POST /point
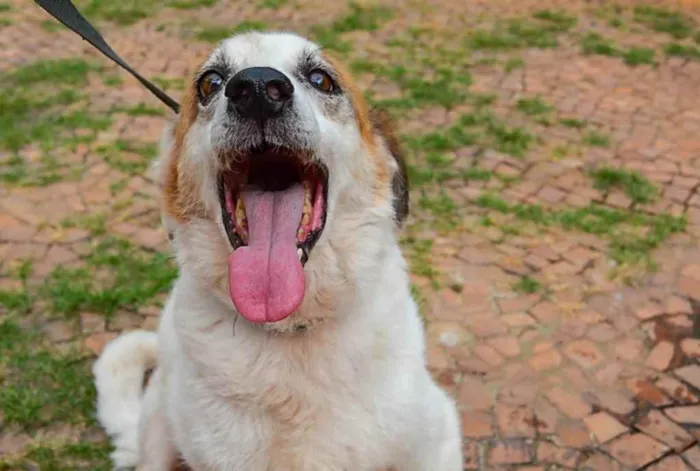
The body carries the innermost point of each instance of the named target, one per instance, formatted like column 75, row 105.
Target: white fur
column 351, row 393
column 119, row 374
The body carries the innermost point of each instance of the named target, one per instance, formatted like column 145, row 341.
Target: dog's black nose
column 259, row 93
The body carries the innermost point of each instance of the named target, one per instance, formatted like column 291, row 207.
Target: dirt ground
column 555, row 171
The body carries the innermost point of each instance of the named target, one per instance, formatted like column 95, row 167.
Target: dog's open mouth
column 273, row 203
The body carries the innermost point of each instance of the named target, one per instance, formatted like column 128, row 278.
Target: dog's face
column 283, row 188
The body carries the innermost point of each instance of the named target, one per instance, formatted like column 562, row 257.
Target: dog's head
column 283, row 188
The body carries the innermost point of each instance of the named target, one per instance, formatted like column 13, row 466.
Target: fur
column 348, row 392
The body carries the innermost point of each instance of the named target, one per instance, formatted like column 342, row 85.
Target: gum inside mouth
column 274, row 210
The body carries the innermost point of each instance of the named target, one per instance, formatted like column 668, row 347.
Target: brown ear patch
column 180, row 191
column 383, row 126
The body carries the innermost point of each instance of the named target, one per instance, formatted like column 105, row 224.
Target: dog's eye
column 209, row 84
column 321, row 81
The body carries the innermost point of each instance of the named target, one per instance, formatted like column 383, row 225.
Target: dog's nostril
column 259, row 93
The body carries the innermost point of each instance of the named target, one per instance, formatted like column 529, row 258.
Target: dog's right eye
column 209, row 84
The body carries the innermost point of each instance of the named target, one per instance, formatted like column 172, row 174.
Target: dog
column 290, row 340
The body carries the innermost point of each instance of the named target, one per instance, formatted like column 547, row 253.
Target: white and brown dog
column 284, row 194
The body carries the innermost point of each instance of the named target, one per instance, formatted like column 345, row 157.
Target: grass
column 214, row 34
column 62, row 457
column 359, row 18
column 40, row 386
column 516, row 33
column 116, row 275
column 637, row 187
column 663, row 20
column 527, row 285
column 639, row 55
column 419, row 252
column 631, row 235
column 560, row 21
column 129, row 157
column 513, row 64
column 128, row 12
column 273, row 4
column 682, row 50
column 40, row 105
column 596, row 139
column 479, row 128
column 572, row 123
column 594, row 43
column 533, row 106
column 443, row 208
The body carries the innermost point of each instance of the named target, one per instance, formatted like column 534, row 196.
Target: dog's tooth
column 300, row 234
column 306, row 219
column 240, row 210
column 300, row 253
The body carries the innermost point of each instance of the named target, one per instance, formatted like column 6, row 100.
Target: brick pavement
column 553, row 251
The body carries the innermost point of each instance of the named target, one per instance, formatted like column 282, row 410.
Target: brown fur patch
column 358, row 101
column 371, row 123
column 383, row 126
column 180, row 191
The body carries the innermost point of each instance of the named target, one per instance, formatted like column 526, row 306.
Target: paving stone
column 546, row 360
column 689, row 415
column 476, row 424
column 679, row 392
column 658, row 426
column 636, row 450
column 97, row 342
column 515, row 421
column 692, row 456
column 569, row 404
column 671, row 463
column 690, row 374
column 506, row 452
column 552, row 454
column 604, row 427
column 660, row 356
column 584, row 352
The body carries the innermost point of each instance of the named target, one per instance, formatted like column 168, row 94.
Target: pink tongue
column 266, row 279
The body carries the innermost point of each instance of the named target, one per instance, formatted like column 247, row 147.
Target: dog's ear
column 384, row 128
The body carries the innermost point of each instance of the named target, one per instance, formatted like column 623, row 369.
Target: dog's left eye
column 321, row 81
column 209, row 84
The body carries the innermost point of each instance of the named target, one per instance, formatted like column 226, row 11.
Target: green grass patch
column 215, row 34
column 359, row 18
column 142, row 109
column 663, row 20
column 477, row 174
column 533, row 106
column 637, row 187
column 419, row 253
column 190, row 4
column 639, row 55
column 632, row 235
column 117, row 275
column 513, row 64
column 572, row 123
column 527, row 285
column 81, row 456
column 596, row 139
column 129, row 157
column 273, row 4
column 682, row 50
column 594, row 43
column 128, row 12
column 560, row 21
column 42, row 387
column 516, row 33
column 33, row 102
column 477, row 128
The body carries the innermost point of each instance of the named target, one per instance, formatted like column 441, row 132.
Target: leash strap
column 65, row 12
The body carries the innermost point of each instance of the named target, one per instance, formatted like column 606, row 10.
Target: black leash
column 65, row 12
